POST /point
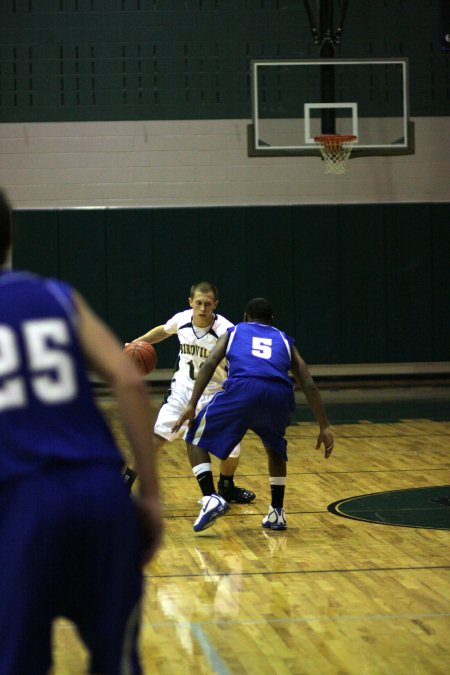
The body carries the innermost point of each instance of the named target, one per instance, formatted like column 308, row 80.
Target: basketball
column 143, row 356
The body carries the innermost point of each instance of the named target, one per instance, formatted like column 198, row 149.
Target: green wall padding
column 130, row 271
column 82, row 254
column 35, row 244
column 409, row 283
column 362, row 284
column 353, row 284
column 316, row 282
column 440, row 275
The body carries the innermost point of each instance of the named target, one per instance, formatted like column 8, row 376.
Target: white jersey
column 195, row 346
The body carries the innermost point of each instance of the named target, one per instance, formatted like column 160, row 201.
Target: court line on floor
column 312, row 512
column 354, row 570
column 346, row 472
column 205, row 645
column 218, row 666
column 296, row 619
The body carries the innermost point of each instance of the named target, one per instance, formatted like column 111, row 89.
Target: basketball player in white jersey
column 198, row 330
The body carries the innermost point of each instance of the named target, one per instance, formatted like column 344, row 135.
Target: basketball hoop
column 335, row 150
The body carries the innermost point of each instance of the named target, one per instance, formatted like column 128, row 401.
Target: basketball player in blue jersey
column 258, row 395
column 72, row 543
column 198, row 330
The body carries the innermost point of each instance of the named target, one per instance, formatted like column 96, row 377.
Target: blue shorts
column 261, row 405
column 71, row 546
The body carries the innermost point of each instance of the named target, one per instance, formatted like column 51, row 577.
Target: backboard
column 295, row 100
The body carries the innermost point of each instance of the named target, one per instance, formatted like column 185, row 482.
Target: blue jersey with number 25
column 258, row 350
column 47, row 412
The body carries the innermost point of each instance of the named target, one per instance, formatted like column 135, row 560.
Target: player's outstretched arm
column 104, row 352
column 154, row 335
column 312, row 393
column 216, row 355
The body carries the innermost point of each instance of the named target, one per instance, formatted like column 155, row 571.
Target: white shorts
column 171, row 409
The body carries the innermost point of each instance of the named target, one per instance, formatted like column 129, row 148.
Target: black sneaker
column 236, row 494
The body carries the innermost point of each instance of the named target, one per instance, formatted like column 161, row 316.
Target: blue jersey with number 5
column 258, row 350
column 47, row 411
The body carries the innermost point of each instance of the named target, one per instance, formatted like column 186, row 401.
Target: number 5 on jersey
column 262, row 347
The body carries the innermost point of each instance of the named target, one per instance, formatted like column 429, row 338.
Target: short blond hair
column 204, row 287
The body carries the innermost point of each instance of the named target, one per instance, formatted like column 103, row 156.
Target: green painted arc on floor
column 425, row 507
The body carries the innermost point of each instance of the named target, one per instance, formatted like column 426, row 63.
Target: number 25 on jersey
column 52, row 372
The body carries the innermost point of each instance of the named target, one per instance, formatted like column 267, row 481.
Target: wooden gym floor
column 330, row 595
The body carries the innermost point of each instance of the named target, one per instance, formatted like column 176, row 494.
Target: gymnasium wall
column 352, row 283
column 136, row 111
column 146, row 102
column 83, row 60
column 199, row 163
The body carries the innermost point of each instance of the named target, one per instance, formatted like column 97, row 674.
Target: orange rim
column 335, row 138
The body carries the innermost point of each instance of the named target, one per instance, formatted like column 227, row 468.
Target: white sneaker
column 213, row 506
column 275, row 519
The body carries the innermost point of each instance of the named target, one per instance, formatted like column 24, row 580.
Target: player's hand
column 326, row 437
column 187, row 415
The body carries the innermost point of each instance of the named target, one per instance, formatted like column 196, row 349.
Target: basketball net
column 335, row 150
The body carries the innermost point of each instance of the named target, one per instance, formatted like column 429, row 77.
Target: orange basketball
column 143, row 356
